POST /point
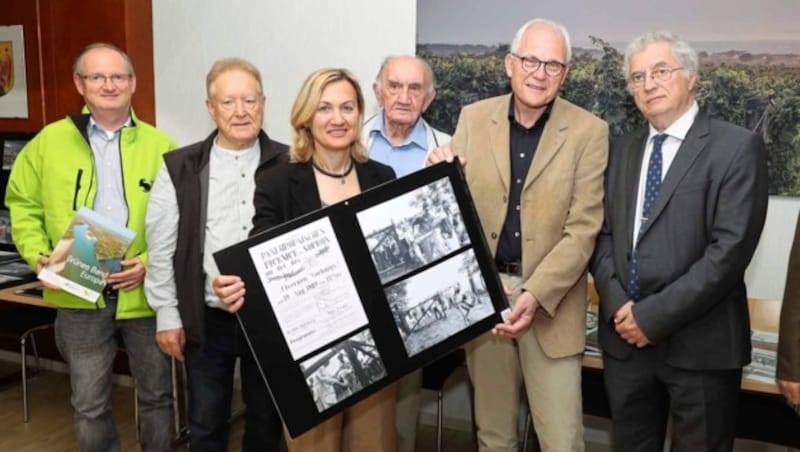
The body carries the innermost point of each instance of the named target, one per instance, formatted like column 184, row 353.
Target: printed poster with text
column 309, row 287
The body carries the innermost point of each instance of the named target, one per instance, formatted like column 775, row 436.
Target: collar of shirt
column 676, row 133
column 417, row 136
column 94, row 129
column 404, row 159
column 680, row 127
column 512, row 119
column 235, row 153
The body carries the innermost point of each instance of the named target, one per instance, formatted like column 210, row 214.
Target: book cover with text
column 90, row 250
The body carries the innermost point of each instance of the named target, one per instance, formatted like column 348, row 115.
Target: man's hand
column 40, row 264
column 520, row 318
column 230, row 291
column 627, row 328
column 130, row 277
column 790, row 390
column 443, row 154
column 171, row 342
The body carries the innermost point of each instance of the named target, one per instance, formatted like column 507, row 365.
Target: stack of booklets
column 89, row 251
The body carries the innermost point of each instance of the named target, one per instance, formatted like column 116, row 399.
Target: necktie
column 651, row 189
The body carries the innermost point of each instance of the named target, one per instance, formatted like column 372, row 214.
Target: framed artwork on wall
column 13, row 86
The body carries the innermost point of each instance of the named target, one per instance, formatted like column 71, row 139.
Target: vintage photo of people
column 437, row 303
column 343, row 369
column 413, row 230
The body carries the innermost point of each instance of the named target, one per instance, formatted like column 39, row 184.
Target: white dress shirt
column 676, row 133
column 229, row 218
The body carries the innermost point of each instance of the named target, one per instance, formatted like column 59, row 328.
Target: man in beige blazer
column 534, row 164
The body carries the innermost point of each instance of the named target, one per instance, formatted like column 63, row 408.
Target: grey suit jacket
column 693, row 251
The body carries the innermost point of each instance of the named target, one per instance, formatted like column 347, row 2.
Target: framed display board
column 345, row 300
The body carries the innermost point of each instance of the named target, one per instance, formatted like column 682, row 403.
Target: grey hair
column 429, row 77
column 681, row 50
column 562, row 30
column 76, row 65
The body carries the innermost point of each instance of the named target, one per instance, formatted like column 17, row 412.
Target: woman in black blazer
column 327, row 164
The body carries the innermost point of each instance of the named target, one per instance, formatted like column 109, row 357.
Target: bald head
column 404, row 88
column 408, row 63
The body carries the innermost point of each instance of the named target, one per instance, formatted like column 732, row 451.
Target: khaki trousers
column 408, row 401
column 499, row 367
column 367, row 425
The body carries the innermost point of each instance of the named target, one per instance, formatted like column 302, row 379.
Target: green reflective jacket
column 54, row 175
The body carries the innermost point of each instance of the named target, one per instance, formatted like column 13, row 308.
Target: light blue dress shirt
column 110, row 199
column 405, row 158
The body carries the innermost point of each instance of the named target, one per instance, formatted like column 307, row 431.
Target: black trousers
column 210, row 370
column 643, row 391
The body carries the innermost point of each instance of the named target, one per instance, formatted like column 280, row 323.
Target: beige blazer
column 561, row 210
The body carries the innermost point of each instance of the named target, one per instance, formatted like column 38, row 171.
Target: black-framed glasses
column 101, row 79
column 532, row 64
column 661, row 74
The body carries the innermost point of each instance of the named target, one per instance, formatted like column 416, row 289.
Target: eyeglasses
column 661, row 74
column 100, row 79
column 249, row 103
column 395, row 88
column 532, row 64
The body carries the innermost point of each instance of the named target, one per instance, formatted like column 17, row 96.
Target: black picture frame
column 439, row 279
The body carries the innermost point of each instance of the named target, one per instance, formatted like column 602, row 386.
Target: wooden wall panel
column 25, row 13
column 139, row 45
column 59, row 29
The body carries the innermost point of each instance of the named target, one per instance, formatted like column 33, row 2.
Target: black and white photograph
column 439, row 302
column 343, row 370
column 349, row 331
column 413, row 230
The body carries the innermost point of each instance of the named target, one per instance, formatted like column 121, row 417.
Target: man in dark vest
column 202, row 201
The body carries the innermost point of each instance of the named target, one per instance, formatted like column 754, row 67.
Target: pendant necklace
column 342, row 176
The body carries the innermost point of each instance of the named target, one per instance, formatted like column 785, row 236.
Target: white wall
column 766, row 275
column 285, row 39
column 289, row 39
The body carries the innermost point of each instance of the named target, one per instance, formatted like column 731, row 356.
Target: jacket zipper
column 77, row 189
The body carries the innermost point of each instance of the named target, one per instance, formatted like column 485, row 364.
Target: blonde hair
column 229, row 64
column 305, row 107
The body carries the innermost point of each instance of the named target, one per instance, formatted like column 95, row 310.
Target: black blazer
column 693, row 251
column 288, row 190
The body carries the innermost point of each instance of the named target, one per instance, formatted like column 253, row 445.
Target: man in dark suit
column 686, row 200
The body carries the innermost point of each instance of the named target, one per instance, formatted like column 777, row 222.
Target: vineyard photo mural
column 749, row 61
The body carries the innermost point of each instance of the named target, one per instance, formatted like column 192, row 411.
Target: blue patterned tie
column 651, row 188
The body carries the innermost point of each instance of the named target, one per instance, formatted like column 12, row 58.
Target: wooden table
column 596, row 363
column 763, row 414
column 16, row 294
